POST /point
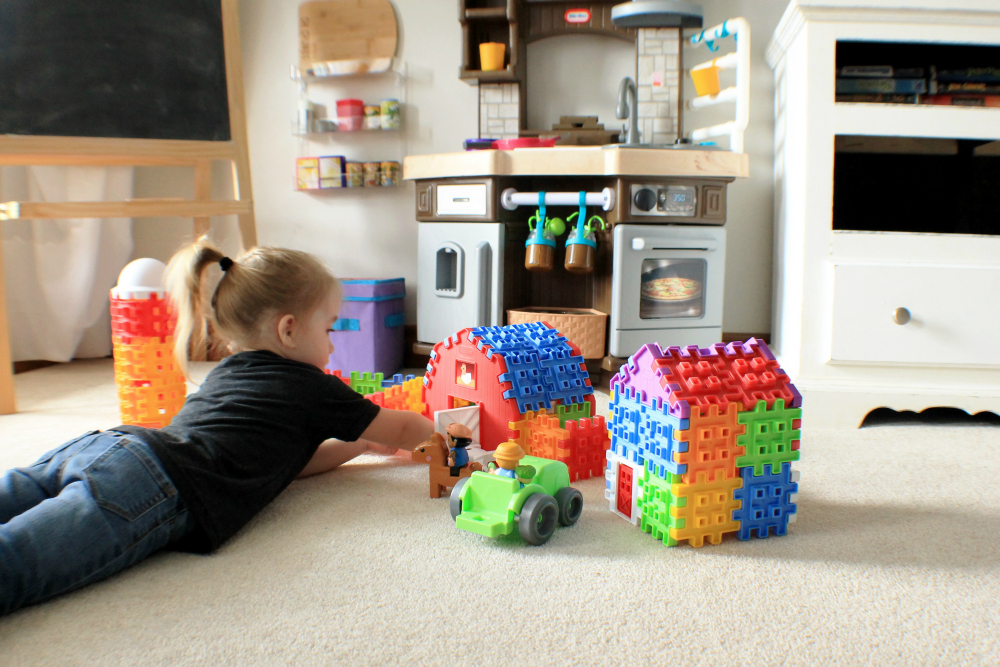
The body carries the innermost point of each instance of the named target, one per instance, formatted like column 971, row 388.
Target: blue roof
column 541, row 365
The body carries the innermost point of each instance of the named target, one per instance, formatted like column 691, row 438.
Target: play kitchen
column 629, row 233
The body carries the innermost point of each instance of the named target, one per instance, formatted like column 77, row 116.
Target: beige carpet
column 895, row 560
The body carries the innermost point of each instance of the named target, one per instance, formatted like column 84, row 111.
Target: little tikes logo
column 577, row 16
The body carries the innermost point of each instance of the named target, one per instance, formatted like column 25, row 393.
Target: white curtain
column 59, row 272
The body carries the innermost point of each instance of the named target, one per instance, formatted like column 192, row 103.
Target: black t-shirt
column 246, row 434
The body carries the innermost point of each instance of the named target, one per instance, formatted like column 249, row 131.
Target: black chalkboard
column 145, row 69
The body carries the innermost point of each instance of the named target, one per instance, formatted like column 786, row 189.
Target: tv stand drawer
column 916, row 314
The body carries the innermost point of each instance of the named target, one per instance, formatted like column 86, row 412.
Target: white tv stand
column 836, row 293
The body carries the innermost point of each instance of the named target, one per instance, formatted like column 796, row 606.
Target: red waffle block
column 712, row 449
column 700, row 381
column 587, row 447
column 760, row 379
column 147, row 318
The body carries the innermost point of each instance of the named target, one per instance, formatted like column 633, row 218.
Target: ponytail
column 185, row 279
column 258, row 285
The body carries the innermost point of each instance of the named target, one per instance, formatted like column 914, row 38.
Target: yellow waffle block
column 706, row 509
column 414, row 390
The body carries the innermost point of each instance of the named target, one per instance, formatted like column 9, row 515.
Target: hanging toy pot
column 540, row 248
column 581, row 245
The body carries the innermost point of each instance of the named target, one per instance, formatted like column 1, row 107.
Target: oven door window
column 671, row 288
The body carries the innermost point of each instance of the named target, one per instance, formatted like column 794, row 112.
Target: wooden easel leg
column 8, row 402
column 202, row 192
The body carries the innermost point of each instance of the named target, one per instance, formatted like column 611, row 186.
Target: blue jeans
column 91, row 508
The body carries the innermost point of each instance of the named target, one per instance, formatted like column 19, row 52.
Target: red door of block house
column 625, row 490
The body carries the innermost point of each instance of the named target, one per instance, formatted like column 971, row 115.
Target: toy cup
column 491, row 56
column 706, row 78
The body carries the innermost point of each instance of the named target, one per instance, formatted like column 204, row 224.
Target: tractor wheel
column 570, row 503
column 539, row 515
column 456, row 497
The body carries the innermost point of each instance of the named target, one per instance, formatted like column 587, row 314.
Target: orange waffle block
column 706, row 510
column 711, row 444
column 151, row 404
column 145, row 358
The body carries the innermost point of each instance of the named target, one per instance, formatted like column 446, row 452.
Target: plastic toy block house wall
column 702, row 442
column 368, row 335
column 580, row 443
column 508, row 372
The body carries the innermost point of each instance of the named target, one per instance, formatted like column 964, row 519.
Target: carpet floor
column 894, row 560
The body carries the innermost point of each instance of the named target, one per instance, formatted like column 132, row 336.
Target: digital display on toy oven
column 664, row 200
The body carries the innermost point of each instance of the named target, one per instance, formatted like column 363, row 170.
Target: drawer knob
column 901, row 316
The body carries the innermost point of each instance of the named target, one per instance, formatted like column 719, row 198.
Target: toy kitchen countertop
column 579, row 161
column 663, row 209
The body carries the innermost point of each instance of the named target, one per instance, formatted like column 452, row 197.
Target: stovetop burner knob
column 645, row 199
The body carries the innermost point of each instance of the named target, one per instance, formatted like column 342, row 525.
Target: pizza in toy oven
column 671, row 288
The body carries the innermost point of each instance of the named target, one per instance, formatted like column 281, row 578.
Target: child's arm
column 331, row 454
column 399, row 428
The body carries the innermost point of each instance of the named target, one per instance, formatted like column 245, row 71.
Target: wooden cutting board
column 345, row 30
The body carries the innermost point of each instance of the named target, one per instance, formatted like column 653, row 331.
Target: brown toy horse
column 435, row 453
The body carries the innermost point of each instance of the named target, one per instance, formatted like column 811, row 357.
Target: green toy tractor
column 493, row 505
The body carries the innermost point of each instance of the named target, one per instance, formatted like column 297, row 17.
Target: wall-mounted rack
column 510, row 199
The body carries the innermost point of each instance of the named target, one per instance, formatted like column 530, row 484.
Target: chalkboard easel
column 172, row 95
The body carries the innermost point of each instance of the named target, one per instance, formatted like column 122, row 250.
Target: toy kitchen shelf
column 491, row 21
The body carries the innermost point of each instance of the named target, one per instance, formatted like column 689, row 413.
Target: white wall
column 577, row 75
column 372, row 233
column 747, row 307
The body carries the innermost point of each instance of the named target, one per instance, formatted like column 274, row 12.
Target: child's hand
column 381, row 450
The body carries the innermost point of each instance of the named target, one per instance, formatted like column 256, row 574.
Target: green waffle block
column 769, row 436
column 653, row 504
column 365, row 383
column 571, row 412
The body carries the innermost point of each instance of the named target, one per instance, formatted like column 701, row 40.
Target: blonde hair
column 260, row 284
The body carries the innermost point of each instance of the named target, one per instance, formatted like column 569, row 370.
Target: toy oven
column 667, row 286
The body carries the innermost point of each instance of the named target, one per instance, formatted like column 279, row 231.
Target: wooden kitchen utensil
column 346, row 36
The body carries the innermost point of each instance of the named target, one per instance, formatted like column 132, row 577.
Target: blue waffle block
column 766, row 501
column 646, row 433
column 541, row 366
column 396, row 379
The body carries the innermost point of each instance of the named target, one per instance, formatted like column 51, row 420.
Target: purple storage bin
column 368, row 336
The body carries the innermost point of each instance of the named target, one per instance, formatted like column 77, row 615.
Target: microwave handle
column 484, row 256
column 705, row 245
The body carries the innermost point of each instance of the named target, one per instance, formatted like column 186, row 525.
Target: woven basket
column 583, row 326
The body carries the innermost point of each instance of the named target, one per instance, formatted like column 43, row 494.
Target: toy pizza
column 671, row 289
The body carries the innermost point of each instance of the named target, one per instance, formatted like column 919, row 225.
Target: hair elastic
column 225, row 263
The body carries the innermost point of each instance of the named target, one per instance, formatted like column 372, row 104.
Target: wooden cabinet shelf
column 490, row 76
column 486, row 13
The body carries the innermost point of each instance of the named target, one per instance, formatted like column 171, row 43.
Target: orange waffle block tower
column 151, row 384
column 702, row 442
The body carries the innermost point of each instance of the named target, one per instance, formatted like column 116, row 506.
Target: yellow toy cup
column 706, row 79
column 491, row 56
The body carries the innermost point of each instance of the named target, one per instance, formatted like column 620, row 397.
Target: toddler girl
column 262, row 417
